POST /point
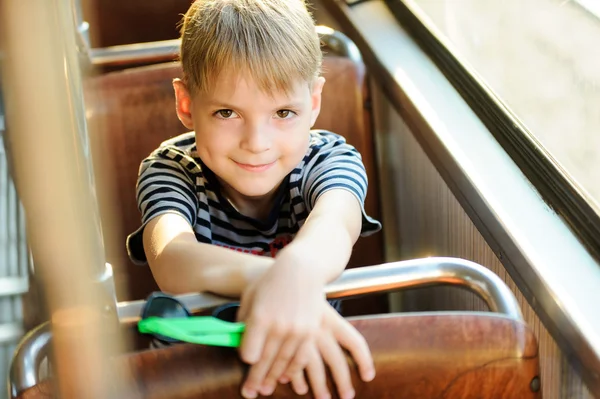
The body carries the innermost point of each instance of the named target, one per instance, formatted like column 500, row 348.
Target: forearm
column 321, row 248
column 187, row 266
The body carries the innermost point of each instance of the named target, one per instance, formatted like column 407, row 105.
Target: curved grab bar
column 339, row 43
column 25, row 364
column 426, row 272
column 168, row 50
column 381, row 278
column 354, row 282
column 137, row 53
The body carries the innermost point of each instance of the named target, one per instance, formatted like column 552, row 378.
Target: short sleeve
column 164, row 185
column 335, row 164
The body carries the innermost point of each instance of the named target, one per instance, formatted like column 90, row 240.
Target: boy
column 252, row 203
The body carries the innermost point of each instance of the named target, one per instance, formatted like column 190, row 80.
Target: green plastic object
column 202, row 330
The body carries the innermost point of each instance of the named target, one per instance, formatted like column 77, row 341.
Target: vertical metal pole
column 83, row 27
column 48, row 145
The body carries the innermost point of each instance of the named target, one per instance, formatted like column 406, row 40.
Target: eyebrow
column 225, row 105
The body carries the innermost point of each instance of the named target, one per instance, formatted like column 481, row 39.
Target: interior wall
column 422, row 218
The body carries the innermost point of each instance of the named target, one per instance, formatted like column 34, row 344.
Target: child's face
column 250, row 139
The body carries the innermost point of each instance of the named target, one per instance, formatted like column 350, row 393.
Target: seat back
column 426, row 356
column 115, row 22
column 132, row 111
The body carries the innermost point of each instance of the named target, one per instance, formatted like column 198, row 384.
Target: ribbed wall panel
column 423, row 218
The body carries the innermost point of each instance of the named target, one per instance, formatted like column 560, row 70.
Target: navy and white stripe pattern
column 174, row 179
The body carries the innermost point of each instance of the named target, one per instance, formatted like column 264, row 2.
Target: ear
column 183, row 103
column 317, row 88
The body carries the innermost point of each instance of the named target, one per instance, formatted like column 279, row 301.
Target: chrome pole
column 138, row 53
column 29, row 355
column 83, row 27
column 47, row 142
column 426, row 272
column 387, row 277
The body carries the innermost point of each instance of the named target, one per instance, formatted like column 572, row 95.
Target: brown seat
column 442, row 356
column 132, row 111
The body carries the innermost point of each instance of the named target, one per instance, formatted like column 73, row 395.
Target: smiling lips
column 255, row 168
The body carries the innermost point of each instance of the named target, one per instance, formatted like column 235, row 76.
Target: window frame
column 591, row 6
column 555, row 185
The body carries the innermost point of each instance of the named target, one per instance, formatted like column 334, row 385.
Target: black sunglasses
column 159, row 304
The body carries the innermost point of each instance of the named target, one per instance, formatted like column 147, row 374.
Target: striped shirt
column 174, row 179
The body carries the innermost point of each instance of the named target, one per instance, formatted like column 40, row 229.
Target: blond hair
column 273, row 41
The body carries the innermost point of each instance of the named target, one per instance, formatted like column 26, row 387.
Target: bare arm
column 284, row 308
column 181, row 264
column 324, row 244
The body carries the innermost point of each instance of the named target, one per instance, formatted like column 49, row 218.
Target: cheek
column 211, row 146
column 214, row 139
column 294, row 145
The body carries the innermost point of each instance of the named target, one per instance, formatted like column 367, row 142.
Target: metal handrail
column 425, row 272
column 138, row 53
column 25, row 365
column 354, row 282
column 168, row 50
column 383, row 278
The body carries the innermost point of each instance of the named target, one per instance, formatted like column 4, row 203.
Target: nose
column 256, row 138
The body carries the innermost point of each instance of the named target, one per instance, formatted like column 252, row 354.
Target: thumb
column 245, row 305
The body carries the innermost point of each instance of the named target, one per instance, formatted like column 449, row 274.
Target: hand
column 282, row 311
column 335, row 332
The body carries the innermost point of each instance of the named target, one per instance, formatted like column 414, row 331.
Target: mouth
column 255, row 167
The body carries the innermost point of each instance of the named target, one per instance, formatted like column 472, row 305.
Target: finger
column 299, row 384
column 283, row 358
column 349, row 338
column 300, row 360
column 259, row 370
column 253, row 341
column 338, row 365
column 316, row 375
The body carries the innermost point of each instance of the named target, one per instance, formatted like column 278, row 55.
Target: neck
column 254, row 207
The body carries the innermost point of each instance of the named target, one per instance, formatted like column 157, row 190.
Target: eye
column 285, row 114
column 225, row 114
